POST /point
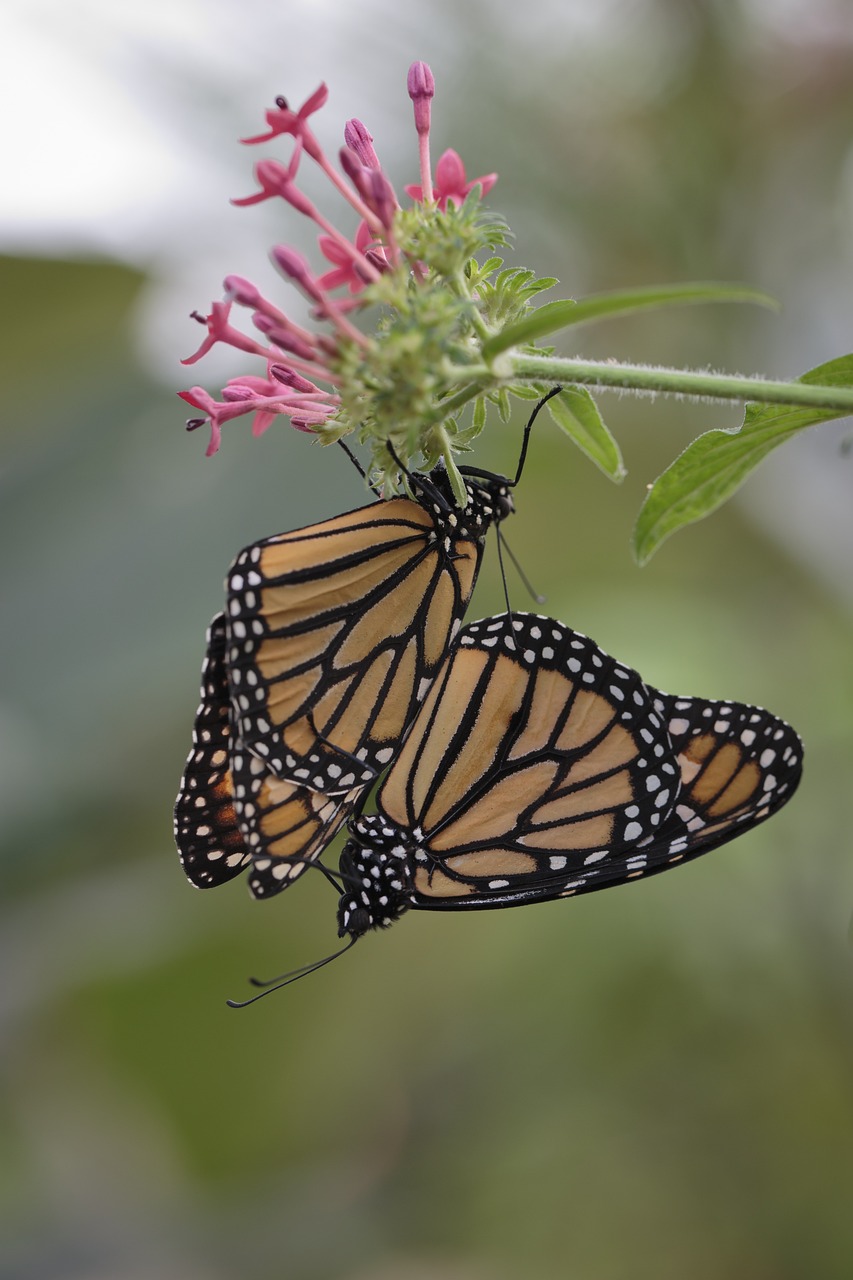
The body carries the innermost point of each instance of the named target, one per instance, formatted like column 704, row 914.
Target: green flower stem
column 453, row 404
column 457, row 484
column 478, row 324
column 685, row 382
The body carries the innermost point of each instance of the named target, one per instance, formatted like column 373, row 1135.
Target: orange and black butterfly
column 539, row 767
column 336, row 631
column 331, row 637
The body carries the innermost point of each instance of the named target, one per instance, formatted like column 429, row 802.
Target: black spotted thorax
column 375, row 868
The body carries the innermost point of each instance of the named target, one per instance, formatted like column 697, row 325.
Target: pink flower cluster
column 300, row 381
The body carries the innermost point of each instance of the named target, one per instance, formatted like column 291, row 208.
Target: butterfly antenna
column 503, row 573
column 276, row 984
column 359, row 468
column 332, row 876
column 531, row 590
column 413, row 480
column 555, row 391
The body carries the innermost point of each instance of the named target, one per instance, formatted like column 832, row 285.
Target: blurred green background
column 651, row 1084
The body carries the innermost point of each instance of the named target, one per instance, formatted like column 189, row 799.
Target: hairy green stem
column 685, row 382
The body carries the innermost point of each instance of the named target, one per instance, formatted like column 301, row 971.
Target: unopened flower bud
column 421, row 86
column 360, row 141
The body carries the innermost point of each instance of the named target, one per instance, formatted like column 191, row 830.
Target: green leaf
column 576, row 413
column 717, row 463
column 599, row 306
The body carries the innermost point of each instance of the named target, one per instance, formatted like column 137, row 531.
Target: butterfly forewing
column 209, row 840
column 334, row 633
column 532, row 754
column 539, row 767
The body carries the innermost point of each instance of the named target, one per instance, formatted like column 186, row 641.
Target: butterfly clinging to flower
column 331, row 638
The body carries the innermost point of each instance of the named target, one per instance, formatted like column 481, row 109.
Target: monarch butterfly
column 539, row 767
column 336, row 631
column 226, row 792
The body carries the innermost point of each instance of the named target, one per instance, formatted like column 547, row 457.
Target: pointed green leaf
column 575, row 411
column 599, row 306
column 716, row 464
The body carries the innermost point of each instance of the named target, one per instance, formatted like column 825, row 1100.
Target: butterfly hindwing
column 286, row 826
column 232, row 813
column 210, row 843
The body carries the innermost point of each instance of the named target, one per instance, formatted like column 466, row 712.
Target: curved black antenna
column 276, row 984
column 331, row 876
column 359, row 468
column 531, row 590
column 555, row 391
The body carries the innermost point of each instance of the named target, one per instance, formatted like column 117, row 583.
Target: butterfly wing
column 286, row 826
column 231, row 813
column 335, row 632
column 210, row 843
column 539, row 767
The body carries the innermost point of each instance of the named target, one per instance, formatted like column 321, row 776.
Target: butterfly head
column 491, row 495
column 375, row 871
column 489, row 502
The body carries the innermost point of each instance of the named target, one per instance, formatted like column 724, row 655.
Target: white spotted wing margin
column 210, row 843
column 539, row 767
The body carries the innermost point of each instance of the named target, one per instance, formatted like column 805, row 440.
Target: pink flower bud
column 355, row 170
column 241, row 291
column 289, row 378
column 381, row 196
column 295, row 267
column 421, row 86
column 281, row 337
column 360, row 141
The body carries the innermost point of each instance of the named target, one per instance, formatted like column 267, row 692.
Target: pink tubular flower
column 219, row 330
column 345, row 271
column 283, row 120
column 303, row 377
column 276, row 180
column 216, row 413
column 451, row 183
